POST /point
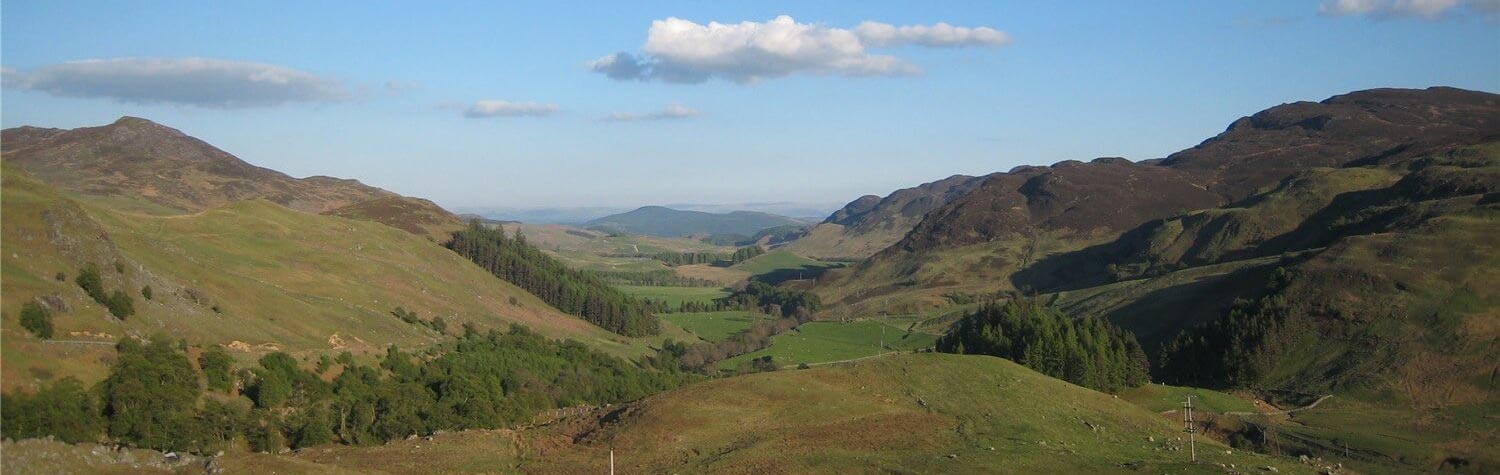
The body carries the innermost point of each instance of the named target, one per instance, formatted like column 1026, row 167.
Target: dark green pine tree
column 572, row 291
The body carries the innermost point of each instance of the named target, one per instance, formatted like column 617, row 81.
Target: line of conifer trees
column 1089, row 352
column 659, row 277
column 572, row 291
column 744, row 254
column 689, row 258
column 1236, row 349
column 723, row 260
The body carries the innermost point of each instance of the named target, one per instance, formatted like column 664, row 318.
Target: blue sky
column 391, row 93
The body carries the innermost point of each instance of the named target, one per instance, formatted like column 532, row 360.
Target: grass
column 674, row 295
column 779, row 266
column 1378, row 439
column 281, row 279
column 910, row 413
column 828, row 240
column 821, row 342
column 714, row 326
column 1162, row 398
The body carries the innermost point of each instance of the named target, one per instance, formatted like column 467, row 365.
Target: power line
column 1187, row 424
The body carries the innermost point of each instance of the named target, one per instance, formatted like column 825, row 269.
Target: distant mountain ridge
column 140, row 159
column 872, row 223
column 1110, row 195
column 1113, row 195
column 668, row 222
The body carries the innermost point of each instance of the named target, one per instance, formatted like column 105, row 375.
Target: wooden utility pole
column 1187, row 423
column 611, row 461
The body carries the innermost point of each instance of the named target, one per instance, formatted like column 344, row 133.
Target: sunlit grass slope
column 251, row 274
column 914, row 413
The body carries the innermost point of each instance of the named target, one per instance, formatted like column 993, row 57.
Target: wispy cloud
column 939, row 35
column 682, row 51
column 493, row 108
column 1429, row 9
column 670, row 112
column 200, row 82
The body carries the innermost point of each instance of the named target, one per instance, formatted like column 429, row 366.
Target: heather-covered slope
column 871, row 223
column 162, row 170
column 1363, row 127
column 1017, row 229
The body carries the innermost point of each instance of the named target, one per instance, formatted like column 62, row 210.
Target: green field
column 820, row 342
column 777, row 266
column 674, row 295
column 714, row 326
column 1162, row 398
column 588, row 261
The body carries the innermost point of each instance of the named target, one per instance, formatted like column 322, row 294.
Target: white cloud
column 201, row 82
column 939, row 35
column 1429, row 9
column 1349, row 7
column 482, row 109
column 671, row 112
column 681, row 51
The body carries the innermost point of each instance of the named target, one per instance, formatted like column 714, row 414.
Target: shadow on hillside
column 806, row 271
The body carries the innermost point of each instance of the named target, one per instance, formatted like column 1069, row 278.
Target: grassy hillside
column 253, row 275
column 822, row 342
column 1163, row 398
column 778, row 266
column 919, row 282
column 834, row 241
column 914, row 413
column 871, row 223
column 413, row 215
column 922, row 413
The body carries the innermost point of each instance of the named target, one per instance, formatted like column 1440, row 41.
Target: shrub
column 315, row 429
column 88, row 279
column 62, row 276
column 150, row 395
column 64, row 410
column 266, row 436
column 216, row 364
column 120, row 304
column 36, row 319
column 146, row 292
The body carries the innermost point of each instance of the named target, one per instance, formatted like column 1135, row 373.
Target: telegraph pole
column 611, row 461
column 1187, row 423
